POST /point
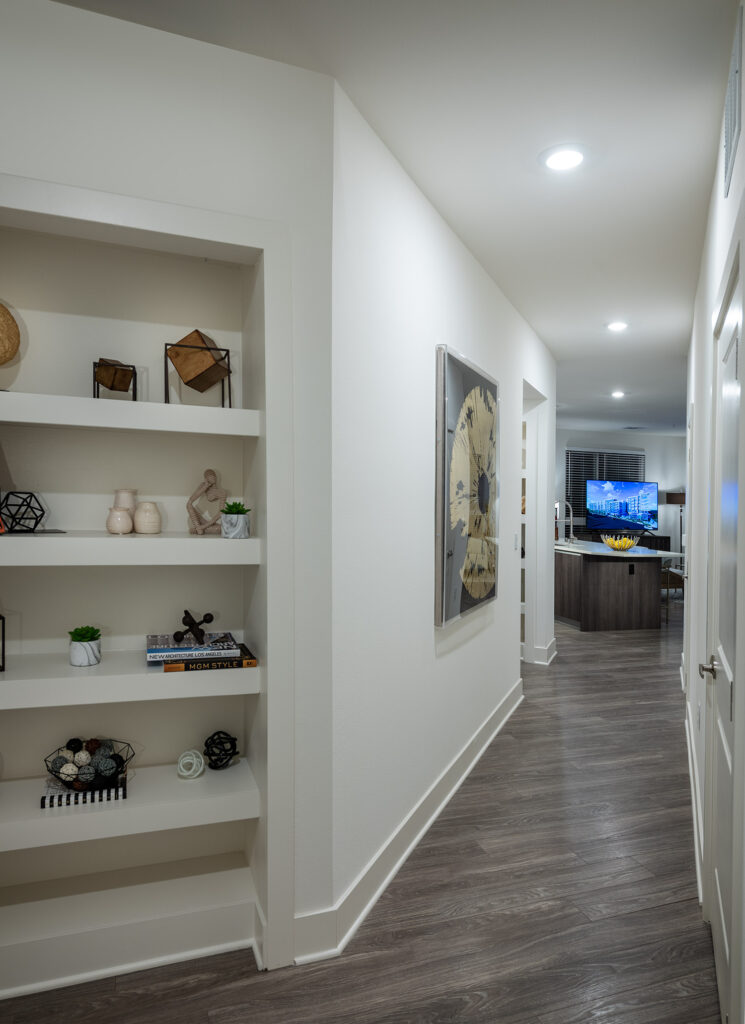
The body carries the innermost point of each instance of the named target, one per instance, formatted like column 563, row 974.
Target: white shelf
column 121, row 917
column 46, row 680
column 101, row 548
column 108, row 414
column 157, row 800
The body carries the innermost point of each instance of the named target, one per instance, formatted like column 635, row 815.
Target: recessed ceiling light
column 563, row 158
column 617, row 325
column 617, row 394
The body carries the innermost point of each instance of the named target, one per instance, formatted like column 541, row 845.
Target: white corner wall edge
column 325, row 933
column 540, row 655
column 696, row 805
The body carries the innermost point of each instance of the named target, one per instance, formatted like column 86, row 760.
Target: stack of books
column 219, row 650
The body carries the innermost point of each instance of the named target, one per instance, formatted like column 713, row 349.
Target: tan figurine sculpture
column 199, row 522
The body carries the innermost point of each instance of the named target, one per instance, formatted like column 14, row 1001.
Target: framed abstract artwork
column 467, row 487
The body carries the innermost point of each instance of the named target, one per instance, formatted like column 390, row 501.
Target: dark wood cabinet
column 597, row 591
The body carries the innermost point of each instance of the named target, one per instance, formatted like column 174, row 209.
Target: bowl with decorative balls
column 94, row 763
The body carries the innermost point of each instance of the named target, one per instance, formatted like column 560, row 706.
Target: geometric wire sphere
column 21, row 512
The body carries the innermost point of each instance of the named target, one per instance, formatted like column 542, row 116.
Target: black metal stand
column 224, row 358
column 123, row 366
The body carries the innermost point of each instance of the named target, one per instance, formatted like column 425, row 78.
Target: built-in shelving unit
column 179, row 867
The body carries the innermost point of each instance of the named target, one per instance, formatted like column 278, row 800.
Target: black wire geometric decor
column 21, row 512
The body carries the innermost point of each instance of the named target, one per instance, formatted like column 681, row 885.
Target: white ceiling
column 468, row 93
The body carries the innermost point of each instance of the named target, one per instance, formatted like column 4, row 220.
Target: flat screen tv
column 621, row 505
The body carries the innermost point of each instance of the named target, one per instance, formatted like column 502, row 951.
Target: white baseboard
column 698, row 810
column 540, row 655
column 325, row 933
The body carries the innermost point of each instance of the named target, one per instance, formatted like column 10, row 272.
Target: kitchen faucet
column 572, row 538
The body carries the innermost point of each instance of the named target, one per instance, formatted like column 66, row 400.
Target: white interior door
column 722, row 648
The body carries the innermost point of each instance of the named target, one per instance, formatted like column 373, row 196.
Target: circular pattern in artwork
column 10, row 335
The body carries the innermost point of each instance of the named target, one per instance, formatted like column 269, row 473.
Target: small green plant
column 235, row 508
column 83, row 634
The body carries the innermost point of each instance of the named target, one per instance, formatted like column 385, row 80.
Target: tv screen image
column 621, row 505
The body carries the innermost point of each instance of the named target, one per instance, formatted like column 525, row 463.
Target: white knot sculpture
column 190, row 764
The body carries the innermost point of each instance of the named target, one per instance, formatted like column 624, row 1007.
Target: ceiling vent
column 732, row 106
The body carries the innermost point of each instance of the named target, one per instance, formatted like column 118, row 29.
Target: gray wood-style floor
column 558, row 887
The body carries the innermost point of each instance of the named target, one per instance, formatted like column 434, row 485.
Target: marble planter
column 85, row 652
column 234, row 525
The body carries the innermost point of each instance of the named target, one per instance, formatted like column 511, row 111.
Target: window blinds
column 583, row 464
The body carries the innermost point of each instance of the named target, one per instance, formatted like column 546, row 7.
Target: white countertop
column 588, row 547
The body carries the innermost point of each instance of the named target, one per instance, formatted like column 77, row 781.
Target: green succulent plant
column 83, row 634
column 235, row 508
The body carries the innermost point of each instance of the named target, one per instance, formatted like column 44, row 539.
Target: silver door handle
column 711, row 668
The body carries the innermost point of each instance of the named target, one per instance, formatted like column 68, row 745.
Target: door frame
column 539, row 647
column 731, row 291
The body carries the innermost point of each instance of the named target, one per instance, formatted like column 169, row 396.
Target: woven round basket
column 10, row 335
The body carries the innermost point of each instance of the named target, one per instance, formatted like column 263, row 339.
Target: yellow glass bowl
column 622, row 542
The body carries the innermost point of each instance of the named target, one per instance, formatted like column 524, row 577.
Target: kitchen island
column 597, row 588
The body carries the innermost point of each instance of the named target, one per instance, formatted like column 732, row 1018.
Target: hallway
column 558, row 887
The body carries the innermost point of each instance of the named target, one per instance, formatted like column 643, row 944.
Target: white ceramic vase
column 126, row 497
column 85, row 652
column 119, row 520
column 147, row 517
column 234, row 525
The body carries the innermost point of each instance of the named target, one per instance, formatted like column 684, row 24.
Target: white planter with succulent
column 234, row 520
column 85, row 646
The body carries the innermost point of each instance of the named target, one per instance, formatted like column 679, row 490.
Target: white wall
column 408, row 697
column 665, row 463
column 112, row 106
